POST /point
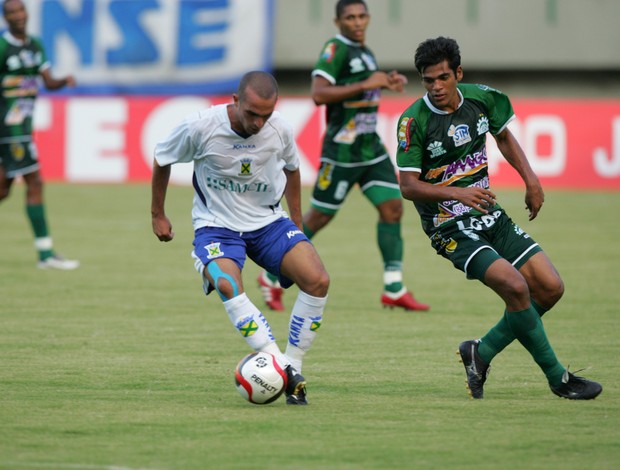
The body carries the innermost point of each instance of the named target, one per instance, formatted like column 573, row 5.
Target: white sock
column 305, row 320
column 253, row 327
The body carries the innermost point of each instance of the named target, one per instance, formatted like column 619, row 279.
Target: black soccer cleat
column 476, row 369
column 296, row 387
column 577, row 388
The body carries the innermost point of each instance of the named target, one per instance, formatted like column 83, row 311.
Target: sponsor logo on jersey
column 246, row 167
column 329, row 52
column 436, row 149
column 483, row 125
column 213, row 250
column 236, row 187
column 460, row 134
column 370, row 62
column 464, row 167
column 356, row 65
column 243, row 146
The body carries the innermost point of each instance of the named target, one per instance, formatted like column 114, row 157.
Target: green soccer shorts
column 377, row 181
column 472, row 244
column 18, row 158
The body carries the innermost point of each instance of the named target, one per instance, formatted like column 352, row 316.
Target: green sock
column 36, row 216
column 391, row 246
column 500, row 336
column 307, row 232
column 528, row 328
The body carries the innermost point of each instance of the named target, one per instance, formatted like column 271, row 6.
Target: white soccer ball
column 259, row 378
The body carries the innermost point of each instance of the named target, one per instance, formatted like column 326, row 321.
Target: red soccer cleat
column 272, row 292
column 406, row 301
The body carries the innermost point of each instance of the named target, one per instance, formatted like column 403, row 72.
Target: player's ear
column 459, row 73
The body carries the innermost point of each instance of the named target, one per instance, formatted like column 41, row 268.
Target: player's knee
column 4, row 193
column 318, row 285
column 552, row 292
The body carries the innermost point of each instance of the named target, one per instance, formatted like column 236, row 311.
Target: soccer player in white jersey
column 245, row 160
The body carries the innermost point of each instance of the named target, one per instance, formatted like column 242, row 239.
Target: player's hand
column 71, row 82
column 162, row 228
column 397, row 81
column 477, row 198
column 534, row 198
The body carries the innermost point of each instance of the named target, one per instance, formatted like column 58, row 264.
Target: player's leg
column 380, row 186
column 5, row 183
column 327, row 197
column 219, row 256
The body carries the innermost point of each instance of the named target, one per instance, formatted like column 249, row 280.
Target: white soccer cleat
column 58, row 262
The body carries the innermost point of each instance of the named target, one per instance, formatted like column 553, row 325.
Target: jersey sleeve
column 179, row 146
column 409, row 137
column 329, row 63
column 290, row 152
column 45, row 63
column 499, row 108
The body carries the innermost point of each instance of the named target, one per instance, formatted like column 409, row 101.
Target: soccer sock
column 253, row 326
column 305, row 320
column 500, row 336
column 391, row 247
column 528, row 328
column 42, row 240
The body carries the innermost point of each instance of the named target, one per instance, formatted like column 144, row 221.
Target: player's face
column 440, row 82
column 252, row 112
column 353, row 22
column 16, row 16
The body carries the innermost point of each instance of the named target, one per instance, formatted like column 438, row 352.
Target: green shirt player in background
column 22, row 61
column 346, row 79
column 444, row 170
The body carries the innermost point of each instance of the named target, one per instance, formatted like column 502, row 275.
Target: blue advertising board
column 154, row 46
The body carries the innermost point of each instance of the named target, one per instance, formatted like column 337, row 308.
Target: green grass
column 124, row 364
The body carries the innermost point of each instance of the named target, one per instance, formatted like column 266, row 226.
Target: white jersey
column 238, row 181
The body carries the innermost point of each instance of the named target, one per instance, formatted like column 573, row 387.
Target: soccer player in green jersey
column 443, row 167
column 22, row 61
column 347, row 80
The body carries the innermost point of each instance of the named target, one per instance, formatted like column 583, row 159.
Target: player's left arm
column 292, row 193
column 52, row 83
column 514, row 154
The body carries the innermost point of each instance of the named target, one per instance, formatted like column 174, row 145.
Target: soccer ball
column 259, row 378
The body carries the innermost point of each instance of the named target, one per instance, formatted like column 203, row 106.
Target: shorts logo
column 291, row 233
column 213, row 250
column 247, row 327
column 246, row 167
column 325, row 176
column 460, row 134
column 18, row 151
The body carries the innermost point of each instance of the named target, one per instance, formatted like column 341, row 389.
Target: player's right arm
column 325, row 92
column 162, row 228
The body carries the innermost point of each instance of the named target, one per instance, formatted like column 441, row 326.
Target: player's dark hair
column 262, row 83
column 342, row 4
column 435, row 51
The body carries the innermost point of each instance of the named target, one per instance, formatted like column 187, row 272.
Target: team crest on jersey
column 405, row 132
column 436, row 149
column 329, row 52
column 483, row 125
column 213, row 250
column 460, row 134
column 356, row 65
column 246, row 167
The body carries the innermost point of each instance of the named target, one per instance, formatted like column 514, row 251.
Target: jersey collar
column 13, row 40
column 347, row 41
column 428, row 102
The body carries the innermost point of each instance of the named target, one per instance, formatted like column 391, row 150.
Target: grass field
column 124, row 364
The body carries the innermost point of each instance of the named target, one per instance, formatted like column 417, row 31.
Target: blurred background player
column 245, row 160
column 22, row 61
column 346, row 79
column 444, row 170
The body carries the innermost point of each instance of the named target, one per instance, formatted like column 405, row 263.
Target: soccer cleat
column 406, row 301
column 272, row 292
column 577, row 388
column 58, row 262
column 476, row 369
column 296, row 387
